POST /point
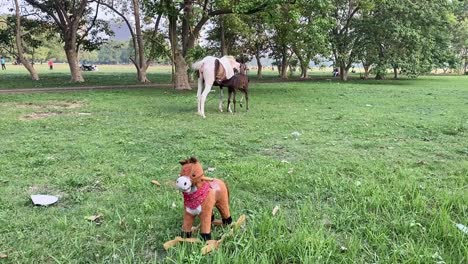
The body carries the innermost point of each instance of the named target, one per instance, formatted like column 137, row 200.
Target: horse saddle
column 220, row 72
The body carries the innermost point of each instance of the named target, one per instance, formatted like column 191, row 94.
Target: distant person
column 336, row 72
column 2, row 61
column 51, row 64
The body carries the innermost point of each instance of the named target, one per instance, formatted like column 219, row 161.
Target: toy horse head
column 190, row 176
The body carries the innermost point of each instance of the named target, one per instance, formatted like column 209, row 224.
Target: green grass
column 380, row 168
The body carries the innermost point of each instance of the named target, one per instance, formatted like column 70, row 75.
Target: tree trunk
column 259, row 65
column 366, row 71
column 284, row 64
column 466, row 67
column 181, row 76
column 395, row 72
column 19, row 46
column 344, row 73
column 304, row 69
column 141, row 60
column 72, row 57
column 223, row 38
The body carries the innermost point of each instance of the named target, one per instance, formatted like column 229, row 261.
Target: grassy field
column 378, row 174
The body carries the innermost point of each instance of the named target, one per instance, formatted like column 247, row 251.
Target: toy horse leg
column 206, row 215
column 223, row 208
column 222, row 204
column 187, row 225
column 221, row 98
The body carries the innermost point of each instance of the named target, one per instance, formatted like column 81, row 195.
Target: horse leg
column 199, row 91
column 229, row 100
column 220, row 98
column 246, row 100
column 240, row 101
column 234, row 100
column 203, row 96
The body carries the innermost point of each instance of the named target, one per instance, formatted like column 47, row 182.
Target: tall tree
column 121, row 9
column 343, row 35
column 256, row 40
column 408, row 37
column 310, row 32
column 460, row 33
column 187, row 18
column 281, row 31
column 77, row 23
column 19, row 45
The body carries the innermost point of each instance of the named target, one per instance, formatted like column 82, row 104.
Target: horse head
column 191, row 175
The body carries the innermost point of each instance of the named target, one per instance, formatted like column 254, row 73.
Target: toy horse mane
column 189, row 160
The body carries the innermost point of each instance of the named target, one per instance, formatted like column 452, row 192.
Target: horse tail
column 197, row 65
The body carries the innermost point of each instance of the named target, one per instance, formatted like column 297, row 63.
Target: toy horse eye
column 185, row 183
column 193, row 175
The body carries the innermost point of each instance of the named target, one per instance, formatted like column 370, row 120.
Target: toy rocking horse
column 201, row 195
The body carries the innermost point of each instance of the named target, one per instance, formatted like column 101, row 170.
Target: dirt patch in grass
column 277, row 151
column 52, row 105
column 37, row 116
column 44, row 189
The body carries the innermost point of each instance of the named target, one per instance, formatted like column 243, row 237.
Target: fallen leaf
column 3, row 256
column 178, row 239
column 174, row 205
column 284, row 161
column 94, row 218
column 463, row 228
column 343, row 249
column 290, row 171
column 275, row 210
column 155, row 182
column 210, row 246
column 211, row 169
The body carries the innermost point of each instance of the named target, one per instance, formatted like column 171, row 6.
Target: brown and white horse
column 213, row 70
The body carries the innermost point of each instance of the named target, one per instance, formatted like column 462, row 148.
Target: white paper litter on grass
column 40, row 199
column 463, row 228
column 295, row 134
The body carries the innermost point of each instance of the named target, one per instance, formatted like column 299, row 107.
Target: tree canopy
column 408, row 37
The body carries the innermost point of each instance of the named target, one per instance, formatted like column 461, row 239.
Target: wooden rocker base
column 210, row 244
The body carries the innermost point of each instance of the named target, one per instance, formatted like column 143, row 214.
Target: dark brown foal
column 239, row 82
